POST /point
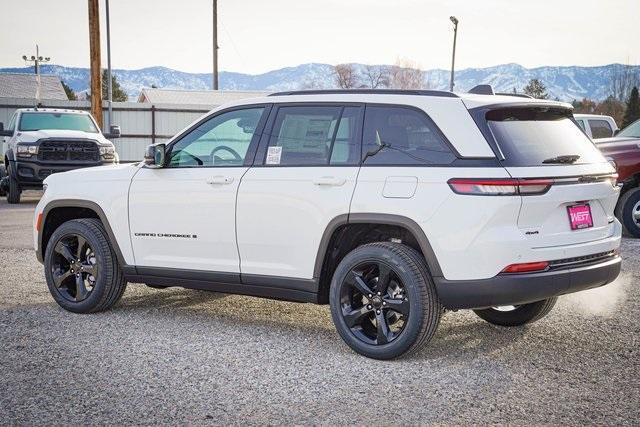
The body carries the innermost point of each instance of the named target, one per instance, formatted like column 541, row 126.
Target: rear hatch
column 576, row 194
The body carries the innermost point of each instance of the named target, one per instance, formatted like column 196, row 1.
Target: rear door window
column 314, row 136
column 600, row 129
column 403, row 136
column 534, row 136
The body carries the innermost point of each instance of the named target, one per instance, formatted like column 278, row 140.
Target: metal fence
column 141, row 124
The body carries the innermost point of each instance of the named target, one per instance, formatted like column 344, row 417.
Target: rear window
column 49, row 121
column 536, row 136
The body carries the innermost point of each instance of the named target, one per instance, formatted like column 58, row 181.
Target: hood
column 613, row 146
column 33, row 136
column 617, row 139
column 83, row 176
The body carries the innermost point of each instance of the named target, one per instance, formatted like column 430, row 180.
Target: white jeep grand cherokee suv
column 388, row 205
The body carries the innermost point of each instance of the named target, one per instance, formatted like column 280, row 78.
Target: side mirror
column 114, row 131
column 154, row 157
column 616, row 132
column 5, row 132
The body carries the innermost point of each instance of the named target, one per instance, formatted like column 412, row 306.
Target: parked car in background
column 39, row 142
column 596, row 126
column 624, row 150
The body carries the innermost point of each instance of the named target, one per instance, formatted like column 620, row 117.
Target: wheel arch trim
column 377, row 218
column 77, row 203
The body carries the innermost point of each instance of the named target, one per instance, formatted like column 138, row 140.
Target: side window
column 223, row 140
column 600, row 129
column 403, row 136
column 314, row 136
column 581, row 124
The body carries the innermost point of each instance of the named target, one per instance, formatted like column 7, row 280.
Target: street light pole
column 109, row 87
column 453, row 56
column 37, row 60
column 215, row 44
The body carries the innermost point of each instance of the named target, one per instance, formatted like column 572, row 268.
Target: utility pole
column 109, row 88
column 215, row 44
column 94, row 54
column 453, row 56
column 37, row 59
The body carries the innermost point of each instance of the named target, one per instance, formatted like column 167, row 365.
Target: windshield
column 540, row 136
column 49, row 121
column 631, row 131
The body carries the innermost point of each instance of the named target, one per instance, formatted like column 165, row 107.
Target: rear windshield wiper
column 569, row 158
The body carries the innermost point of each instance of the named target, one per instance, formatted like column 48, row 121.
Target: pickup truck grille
column 75, row 151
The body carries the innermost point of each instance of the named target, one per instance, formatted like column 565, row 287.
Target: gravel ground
column 180, row 356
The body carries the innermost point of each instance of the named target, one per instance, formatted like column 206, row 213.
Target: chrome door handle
column 329, row 181
column 220, row 180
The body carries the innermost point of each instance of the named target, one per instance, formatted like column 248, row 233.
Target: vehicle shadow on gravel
column 456, row 337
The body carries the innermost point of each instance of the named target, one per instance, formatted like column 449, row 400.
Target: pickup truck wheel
column 628, row 211
column 81, row 268
column 14, row 192
column 383, row 300
column 517, row 315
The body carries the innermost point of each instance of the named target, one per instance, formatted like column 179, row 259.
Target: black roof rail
column 423, row 92
column 519, row 95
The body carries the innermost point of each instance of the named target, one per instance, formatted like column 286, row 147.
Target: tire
column 408, row 302
column 95, row 259
column 628, row 211
column 3, row 174
column 519, row 315
column 14, row 192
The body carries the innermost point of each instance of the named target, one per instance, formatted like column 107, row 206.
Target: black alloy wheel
column 74, row 268
column 383, row 301
column 374, row 303
column 81, row 267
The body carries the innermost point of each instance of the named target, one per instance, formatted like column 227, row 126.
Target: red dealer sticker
column 580, row 216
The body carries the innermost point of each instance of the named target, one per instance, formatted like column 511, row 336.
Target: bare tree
column 376, row 76
column 346, row 77
column 406, row 74
column 311, row 83
column 623, row 79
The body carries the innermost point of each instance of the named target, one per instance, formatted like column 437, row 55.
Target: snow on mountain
column 565, row 83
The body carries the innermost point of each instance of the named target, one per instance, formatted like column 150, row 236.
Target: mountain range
column 565, row 83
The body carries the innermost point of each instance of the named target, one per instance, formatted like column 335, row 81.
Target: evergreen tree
column 71, row 95
column 536, row 89
column 632, row 112
column 117, row 93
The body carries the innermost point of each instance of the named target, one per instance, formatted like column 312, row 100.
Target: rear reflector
column 499, row 186
column 526, row 267
column 39, row 222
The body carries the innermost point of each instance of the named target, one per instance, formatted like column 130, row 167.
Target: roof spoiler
column 488, row 90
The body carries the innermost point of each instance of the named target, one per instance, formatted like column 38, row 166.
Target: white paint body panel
column 283, row 212
column 185, row 201
column 108, row 186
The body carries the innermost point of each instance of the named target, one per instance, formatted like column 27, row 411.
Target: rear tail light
column 526, row 267
column 499, row 186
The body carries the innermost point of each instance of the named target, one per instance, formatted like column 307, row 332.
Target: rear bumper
column 513, row 289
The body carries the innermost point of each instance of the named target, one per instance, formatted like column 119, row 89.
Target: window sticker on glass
column 273, row 155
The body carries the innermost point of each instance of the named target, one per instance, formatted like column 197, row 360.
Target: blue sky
column 257, row 36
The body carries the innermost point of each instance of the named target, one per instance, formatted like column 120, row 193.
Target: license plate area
column 580, row 216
